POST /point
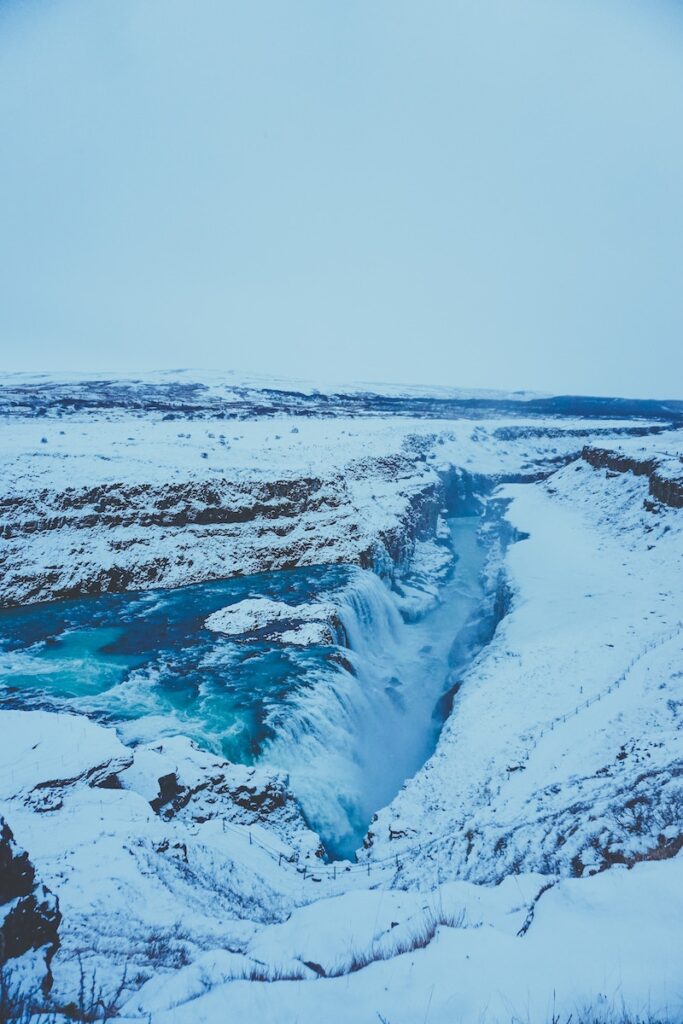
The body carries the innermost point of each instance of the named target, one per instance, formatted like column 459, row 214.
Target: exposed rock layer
column 30, row 912
column 662, row 485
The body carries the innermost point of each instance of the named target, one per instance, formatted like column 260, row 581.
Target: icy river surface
column 349, row 716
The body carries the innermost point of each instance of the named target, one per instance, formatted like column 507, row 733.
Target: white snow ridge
column 339, row 706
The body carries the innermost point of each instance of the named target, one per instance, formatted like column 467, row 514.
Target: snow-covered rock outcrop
column 664, row 470
column 300, row 624
column 29, row 918
column 158, row 854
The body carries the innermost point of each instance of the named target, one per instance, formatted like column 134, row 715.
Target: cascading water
column 349, row 722
column 350, row 739
column 326, row 734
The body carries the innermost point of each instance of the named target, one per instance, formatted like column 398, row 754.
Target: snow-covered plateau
column 347, row 705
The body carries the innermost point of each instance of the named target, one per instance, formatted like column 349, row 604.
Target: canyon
column 320, row 673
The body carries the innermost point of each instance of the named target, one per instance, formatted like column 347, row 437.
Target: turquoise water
column 348, row 725
column 147, row 656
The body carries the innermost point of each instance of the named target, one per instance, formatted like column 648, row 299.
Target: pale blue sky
column 469, row 192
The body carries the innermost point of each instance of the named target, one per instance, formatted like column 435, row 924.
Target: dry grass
column 20, row 1007
column 419, row 939
column 359, row 959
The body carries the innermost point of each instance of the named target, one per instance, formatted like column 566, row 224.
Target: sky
column 479, row 193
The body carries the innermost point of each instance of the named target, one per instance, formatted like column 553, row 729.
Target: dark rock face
column 169, row 792
column 666, row 489
column 118, row 537
column 31, row 924
column 29, row 911
column 192, row 503
column 17, row 876
column 419, row 522
column 259, row 801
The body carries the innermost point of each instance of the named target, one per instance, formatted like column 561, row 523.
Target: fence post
column 250, row 838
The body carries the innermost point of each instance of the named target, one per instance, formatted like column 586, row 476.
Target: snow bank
column 304, row 623
column 607, row 943
column 40, row 750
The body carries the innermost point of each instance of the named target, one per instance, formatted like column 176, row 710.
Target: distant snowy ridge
column 226, row 382
column 219, row 396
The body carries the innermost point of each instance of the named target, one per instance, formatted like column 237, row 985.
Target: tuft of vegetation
column 20, row 1007
column 604, row 1013
column 418, row 939
column 609, row 1015
column 165, row 950
column 261, row 972
column 92, row 1003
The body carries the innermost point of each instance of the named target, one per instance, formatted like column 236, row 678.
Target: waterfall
column 369, row 614
column 350, row 734
column 328, row 729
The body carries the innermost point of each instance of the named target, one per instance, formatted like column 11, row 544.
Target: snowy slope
column 194, row 908
column 605, row 943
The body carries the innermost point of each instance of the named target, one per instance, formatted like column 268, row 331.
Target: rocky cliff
column 664, row 474
column 29, row 912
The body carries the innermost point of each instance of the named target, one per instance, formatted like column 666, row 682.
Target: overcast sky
column 470, row 192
